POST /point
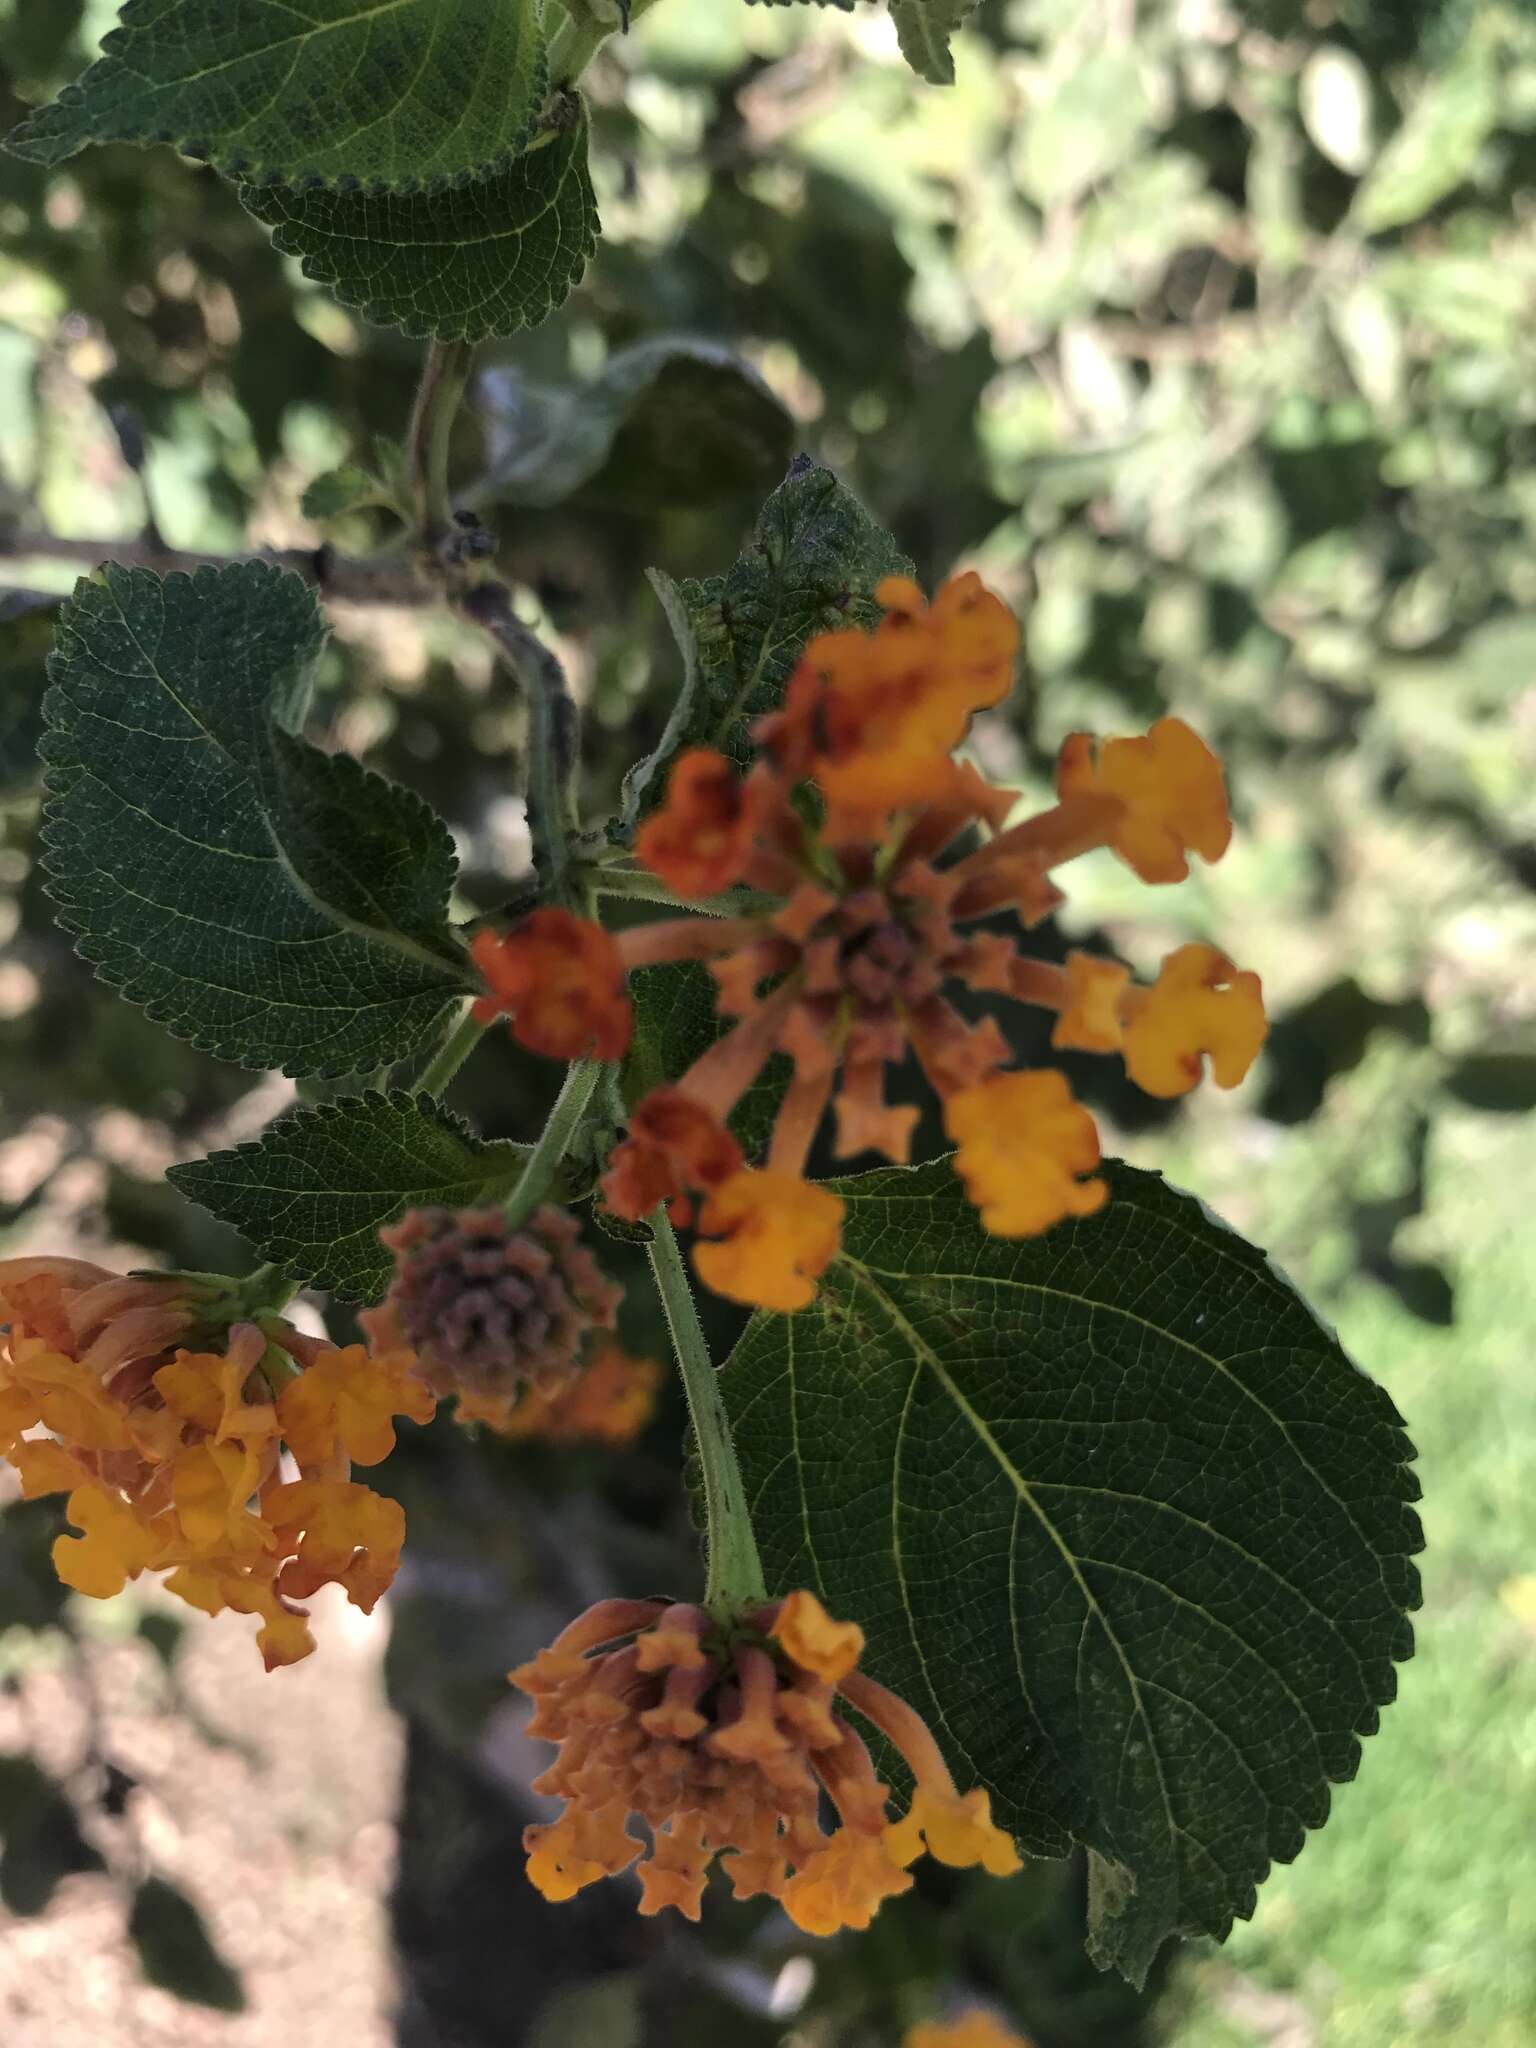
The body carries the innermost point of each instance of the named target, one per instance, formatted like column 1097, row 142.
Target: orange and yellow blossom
column 723, row 1740
column 871, row 923
column 171, row 1457
column 560, row 980
column 971, row 2030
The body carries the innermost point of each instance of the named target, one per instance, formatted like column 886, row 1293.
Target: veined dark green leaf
column 314, row 1190
column 460, row 264
column 924, row 28
column 812, row 565
column 1117, row 1515
column 396, row 94
column 273, row 904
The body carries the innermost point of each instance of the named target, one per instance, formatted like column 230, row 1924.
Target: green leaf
column 924, row 28
column 314, row 1190
column 273, row 904
column 1117, row 1515
column 672, row 421
column 176, row 1951
column 812, row 565
column 1435, row 149
column 461, row 264
column 340, row 491
column 396, row 94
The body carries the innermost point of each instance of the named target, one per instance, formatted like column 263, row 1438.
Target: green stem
column 581, row 35
column 445, row 377
column 564, row 1119
column 733, row 1570
column 461, row 1039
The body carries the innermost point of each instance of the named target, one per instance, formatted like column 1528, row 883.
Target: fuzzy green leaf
column 924, row 28
column 273, row 904
column 461, row 264
column 314, row 1190
column 812, row 565
column 1117, row 1515
column 396, row 94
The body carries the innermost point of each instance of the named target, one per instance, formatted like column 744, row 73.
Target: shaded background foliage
column 1204, row 330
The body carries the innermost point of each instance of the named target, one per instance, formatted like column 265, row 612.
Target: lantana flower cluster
column 724, row 1739
column 173, row 1455
column 873, row 856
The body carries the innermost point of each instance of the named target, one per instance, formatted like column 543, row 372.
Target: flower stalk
column 733, row 1569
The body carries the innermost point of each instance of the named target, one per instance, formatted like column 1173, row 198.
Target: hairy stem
column 733, row 1570
column 583, row 32
column 552, row 739
column 564, row 1119
column 459, row 1041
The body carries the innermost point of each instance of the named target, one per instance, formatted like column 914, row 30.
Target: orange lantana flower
column 766, row 1237
column 1170, row 787
column 873, row 918
column 171, row 1458
column 1199, row 1006
column 1023, row 1141
column 561, row 980
column 700, row 843
column 724, row 1738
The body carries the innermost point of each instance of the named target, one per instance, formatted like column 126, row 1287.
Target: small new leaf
column 461, row 264
column 274, row 905
column 1115, row 1512
column 390, row 94
column 314, row 1190
column 924, row 28
column 812, row 565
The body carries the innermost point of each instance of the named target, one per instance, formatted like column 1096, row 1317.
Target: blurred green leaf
column 314, row 1190
column 460, row 263
column 1438, row 144
column 176, row 1951
column 1115, row 1513
column 673, row 420
column 394, row 94
column 272, row 904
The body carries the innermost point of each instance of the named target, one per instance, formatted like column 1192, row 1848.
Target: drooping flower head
column 871, row 922
column 724, row 1740
column 171, row 1456
column 490, row 1309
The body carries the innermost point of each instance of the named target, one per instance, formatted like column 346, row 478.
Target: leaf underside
column 464, row 263
column 314, row 1190
column 389, row 94
column 923, row 28
column 1117, row 1515
column 272, row 904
